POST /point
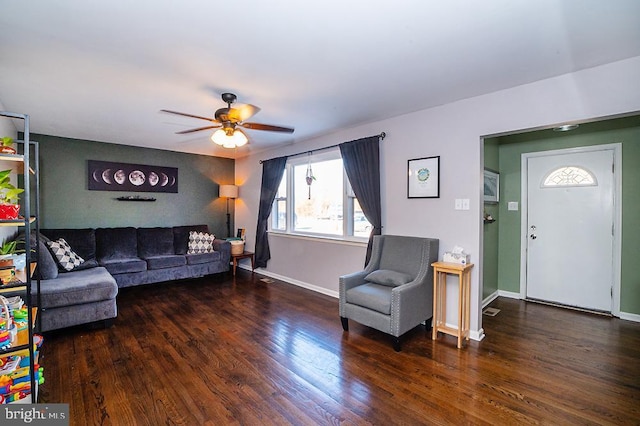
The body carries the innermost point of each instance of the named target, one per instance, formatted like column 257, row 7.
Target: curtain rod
column 311, row 151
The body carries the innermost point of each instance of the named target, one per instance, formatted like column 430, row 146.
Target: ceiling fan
column 228, row 122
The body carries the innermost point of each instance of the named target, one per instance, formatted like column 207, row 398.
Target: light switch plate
column 458, row 205
column 512, row 206
column 465, row 204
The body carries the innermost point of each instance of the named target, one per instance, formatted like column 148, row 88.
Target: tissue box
column 459, row 258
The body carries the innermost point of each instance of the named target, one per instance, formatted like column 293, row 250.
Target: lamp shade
column 229, row 191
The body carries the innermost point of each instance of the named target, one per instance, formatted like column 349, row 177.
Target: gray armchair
column 394, row 293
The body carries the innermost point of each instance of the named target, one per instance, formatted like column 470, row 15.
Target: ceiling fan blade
column 244, row 112
column 197, row 130
column 190, row 115
column 269, row 127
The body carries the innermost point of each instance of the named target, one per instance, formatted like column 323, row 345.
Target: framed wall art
column 423, row 179
column 491, row 186
column 110, row 176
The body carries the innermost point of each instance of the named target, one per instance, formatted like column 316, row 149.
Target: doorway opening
column 502, row 237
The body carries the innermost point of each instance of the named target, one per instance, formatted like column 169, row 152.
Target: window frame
column 348, row 198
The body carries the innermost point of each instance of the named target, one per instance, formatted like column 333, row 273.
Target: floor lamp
column 228, row 191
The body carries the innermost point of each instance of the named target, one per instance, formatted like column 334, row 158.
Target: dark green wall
column 510, row 150
column 490, row 238
column 67, row 203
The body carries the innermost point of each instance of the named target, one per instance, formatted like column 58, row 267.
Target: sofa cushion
column 373, row 296
column 79, row 287
column 123, row 266
column 181, row 236
column 200, row 242
column 47, row 268
column 67, row 259
column 388, row 277
column 155, row 242
column 169, row 261
column 199, row 258
column 82, row 241
column 116, row 244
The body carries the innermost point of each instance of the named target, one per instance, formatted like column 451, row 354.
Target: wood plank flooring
column 224, row 350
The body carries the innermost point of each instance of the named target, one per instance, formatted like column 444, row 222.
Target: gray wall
column 67, row 203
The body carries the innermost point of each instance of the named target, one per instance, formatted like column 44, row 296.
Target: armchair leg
column 345, row 323
column 429, row 324
column 396, row 344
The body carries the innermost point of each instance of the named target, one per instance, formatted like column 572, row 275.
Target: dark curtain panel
column 272, row 171
column 361, row 159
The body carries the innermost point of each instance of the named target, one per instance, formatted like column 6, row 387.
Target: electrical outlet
column 512, row 206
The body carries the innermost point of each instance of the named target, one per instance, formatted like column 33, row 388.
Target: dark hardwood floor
column 221, row 350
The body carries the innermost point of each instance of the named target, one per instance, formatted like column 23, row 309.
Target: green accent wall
column 66, row 201
column 491, row 231
column 624, row 131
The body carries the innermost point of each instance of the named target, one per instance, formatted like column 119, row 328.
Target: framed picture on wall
column 491, row 186
column 111, row 176
column 423, row 178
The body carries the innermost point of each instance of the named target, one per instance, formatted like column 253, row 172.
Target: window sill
column 325, row 239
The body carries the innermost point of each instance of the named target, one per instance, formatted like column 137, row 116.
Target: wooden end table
column 244, row 255
column 440, row 271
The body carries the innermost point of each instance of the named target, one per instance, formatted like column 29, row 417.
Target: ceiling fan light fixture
column 221, row 138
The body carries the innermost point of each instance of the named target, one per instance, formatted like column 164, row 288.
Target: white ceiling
column 102, row 70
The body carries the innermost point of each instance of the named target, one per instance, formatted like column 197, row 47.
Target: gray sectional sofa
column 115, row 258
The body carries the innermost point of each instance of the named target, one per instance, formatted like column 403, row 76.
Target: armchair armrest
column 415, row 301
column 347, row 282
column 352, row 280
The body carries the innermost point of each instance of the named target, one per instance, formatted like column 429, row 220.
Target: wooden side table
column 243, row 255
column 440, row 271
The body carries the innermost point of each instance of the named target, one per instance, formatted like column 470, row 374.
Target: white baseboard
column 322, row 290
column 509, row 294
column 630, row 317
column 490, row 298
column 476, row 335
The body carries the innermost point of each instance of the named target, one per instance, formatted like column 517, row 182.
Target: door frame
column 617, row 214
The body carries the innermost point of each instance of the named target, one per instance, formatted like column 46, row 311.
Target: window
column 327, row 207
column 569, row 176
column 279, row 211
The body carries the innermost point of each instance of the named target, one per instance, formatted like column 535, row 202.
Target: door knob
column 533, row 236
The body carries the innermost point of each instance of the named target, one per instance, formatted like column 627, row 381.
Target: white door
column 570, row 208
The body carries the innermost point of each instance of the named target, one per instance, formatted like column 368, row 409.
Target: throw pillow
column 388, row 278
column 67, row 258
column 47, row 268
column 200, row 242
